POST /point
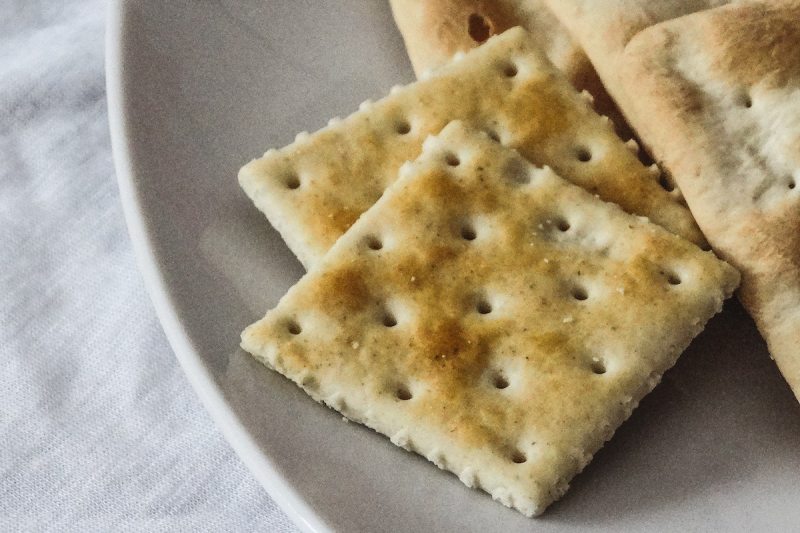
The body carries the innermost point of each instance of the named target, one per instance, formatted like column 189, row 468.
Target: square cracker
column 721, row 90
column 315, row 188
column 435, row 30
column 492, row 317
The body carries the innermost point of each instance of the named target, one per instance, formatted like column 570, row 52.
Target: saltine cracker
column 492, row 317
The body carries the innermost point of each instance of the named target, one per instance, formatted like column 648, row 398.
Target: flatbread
column 722, row 92
column 493, row 318
column 435, row 30
column 603, row 28
column 315, row 188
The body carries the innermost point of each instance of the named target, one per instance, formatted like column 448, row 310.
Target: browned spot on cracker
column 447, row 344
column 344, row 289
column 343, row 218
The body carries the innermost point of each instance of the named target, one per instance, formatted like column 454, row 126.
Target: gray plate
column 196, row 89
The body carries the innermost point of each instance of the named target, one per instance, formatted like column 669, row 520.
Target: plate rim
column 139, row 231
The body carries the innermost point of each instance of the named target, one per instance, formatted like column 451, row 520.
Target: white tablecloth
column 100, row 430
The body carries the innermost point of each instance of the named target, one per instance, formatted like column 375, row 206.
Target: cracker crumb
column 567, row 319
column 355, row 345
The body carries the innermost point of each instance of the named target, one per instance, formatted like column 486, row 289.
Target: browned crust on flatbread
column 604, row 27
column 707, row 82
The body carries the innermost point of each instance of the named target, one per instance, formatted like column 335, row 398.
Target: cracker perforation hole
column 747, row 101
column 499, row 381
column 294, row 328
column 792, row 184
column 292, row 181
column 389, row 320
column 510, row 70
column 468, row 232
column 374, row 243
column 452, row 159
column 518, row 457
column 579, row 293
column 598, row 366
column 493, row 135
column 402, row 393
column 402, row 127
column 562, row 225
column 483, row 306
column 478, row 27
column 583, row 154
column 673, row 278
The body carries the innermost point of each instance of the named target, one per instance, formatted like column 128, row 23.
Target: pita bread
column 493, row 318
column 315, row 188
column 721, row 90
column 603, row 28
